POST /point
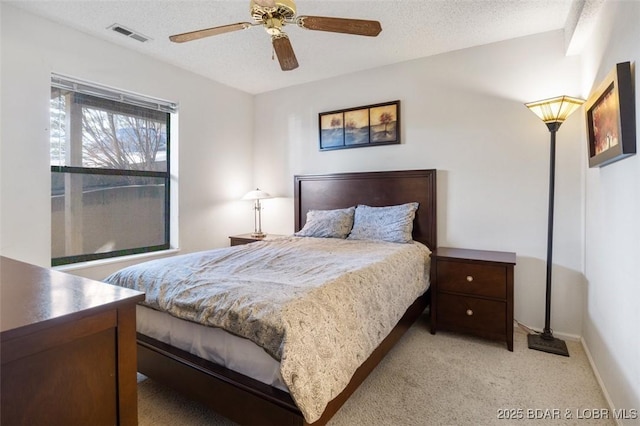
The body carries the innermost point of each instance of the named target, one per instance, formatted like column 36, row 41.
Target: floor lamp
column 553, row 112
column 257, row 195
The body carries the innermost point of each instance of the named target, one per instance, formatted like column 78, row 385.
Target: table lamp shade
column 256, row 194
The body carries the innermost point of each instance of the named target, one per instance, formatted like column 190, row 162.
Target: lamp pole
column 553, row 112
column 553, row 128
column 545, row 341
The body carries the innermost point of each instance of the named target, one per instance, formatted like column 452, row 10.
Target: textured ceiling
column 410, row 29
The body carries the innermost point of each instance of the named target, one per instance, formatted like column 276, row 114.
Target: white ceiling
column 410, row 29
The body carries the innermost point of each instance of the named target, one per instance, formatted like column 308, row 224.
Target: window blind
column 87, row 88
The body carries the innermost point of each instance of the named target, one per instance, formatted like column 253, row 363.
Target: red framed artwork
column 610, row 110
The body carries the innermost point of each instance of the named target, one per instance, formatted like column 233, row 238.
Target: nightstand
column 236, row 240
column 472, row 292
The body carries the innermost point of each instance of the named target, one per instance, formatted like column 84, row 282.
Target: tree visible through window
column 110, row 177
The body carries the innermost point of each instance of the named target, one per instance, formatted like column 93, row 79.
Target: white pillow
column 391, row 223
column 328, row 223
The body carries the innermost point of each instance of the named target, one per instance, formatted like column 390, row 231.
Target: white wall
column 613, row 225
column 463, row 114
column 214, row 125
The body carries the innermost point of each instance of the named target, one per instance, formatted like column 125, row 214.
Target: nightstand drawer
column 468, row 314
column 473, row 279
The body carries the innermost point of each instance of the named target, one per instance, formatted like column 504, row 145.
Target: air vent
column 128, row 32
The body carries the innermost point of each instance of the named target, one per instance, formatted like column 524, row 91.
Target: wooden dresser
column 68, row 349
column 472, row 292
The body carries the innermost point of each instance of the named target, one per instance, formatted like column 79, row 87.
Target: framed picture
column 610, row 110
column 368, row 125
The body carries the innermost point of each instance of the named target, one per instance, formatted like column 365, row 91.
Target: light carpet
column 442, row 379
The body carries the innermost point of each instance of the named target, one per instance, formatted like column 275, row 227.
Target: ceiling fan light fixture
column 273, row 26
column 262, row 10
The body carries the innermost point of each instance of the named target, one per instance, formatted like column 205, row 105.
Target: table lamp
column 257, row 195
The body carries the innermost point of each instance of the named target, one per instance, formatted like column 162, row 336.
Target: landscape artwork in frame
column 610, row 110
column 332, row 130
column 356, row 127
column 384, row 123
column 368, row 125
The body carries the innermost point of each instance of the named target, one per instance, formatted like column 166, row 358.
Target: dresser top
column 32, row 297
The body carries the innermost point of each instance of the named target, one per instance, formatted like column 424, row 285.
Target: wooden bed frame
column 248, row 401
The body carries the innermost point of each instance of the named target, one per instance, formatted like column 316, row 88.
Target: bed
column 248, row 400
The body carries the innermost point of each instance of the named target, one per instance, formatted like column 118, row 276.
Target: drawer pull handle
column 469, row 312
column 469, row 278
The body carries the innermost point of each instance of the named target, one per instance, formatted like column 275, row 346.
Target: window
column 109, row 172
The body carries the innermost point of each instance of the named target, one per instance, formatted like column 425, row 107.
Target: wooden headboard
column 340, row 190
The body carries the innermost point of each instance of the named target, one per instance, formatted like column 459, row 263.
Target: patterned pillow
column 328, row 223
column 392, row 223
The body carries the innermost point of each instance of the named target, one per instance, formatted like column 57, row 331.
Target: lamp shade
column 555, row 110
column 256, row 194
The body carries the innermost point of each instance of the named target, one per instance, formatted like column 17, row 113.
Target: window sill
column 113, row 260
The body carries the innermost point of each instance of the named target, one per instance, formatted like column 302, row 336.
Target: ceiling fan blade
column 284, row 52
column 340, row 25
column 194, row 35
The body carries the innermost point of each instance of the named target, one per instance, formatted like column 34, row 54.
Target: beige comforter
column 319, row 306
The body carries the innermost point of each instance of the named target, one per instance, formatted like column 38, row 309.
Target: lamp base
column 258, row 235
column 547, row 343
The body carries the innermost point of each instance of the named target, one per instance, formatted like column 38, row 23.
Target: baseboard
column 573, row 337
column 559, row 335
column 603, row 388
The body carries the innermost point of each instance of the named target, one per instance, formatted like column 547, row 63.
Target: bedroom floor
column 446, row 379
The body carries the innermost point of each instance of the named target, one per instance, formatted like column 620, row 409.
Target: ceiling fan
column 273, row 15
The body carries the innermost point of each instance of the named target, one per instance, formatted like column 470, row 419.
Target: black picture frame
column 610, row 117
column 369, row 125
